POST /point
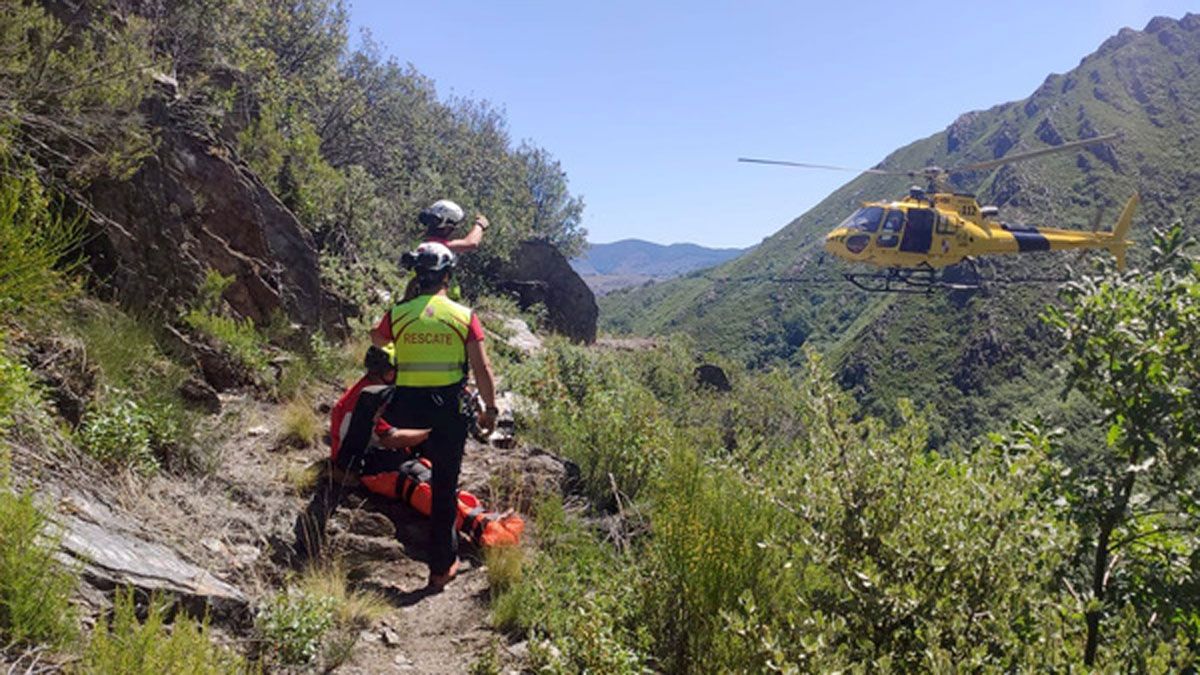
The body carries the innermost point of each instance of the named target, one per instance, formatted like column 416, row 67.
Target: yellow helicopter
column 915, row 238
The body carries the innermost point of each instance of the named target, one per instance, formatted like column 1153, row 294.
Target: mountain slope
column 634, row 256
column 971, row 358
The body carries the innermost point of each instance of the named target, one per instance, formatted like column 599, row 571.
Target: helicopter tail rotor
column 1118, row 241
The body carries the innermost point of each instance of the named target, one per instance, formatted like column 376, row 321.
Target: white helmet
column 429, row 257
column 441, row 213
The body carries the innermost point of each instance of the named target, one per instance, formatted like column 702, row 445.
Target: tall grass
column 351, row 607
column 579, row 596
column 36, row 246
column 316, row 619
column 300, row 425
column 238, row 336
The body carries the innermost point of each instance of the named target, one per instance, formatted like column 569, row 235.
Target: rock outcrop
column 539, row 273
column 192, row 207
column 112, row 553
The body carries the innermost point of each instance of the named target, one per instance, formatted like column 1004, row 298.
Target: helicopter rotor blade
column 979, row 166
column 829, row 167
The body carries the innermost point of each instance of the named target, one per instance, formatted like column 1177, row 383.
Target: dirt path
column 237, row 521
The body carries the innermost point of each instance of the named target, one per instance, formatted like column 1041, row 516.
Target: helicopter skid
column 923, row 280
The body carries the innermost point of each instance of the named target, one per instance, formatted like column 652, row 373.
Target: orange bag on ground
column 411, row 485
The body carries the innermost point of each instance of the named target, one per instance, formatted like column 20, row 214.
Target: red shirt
column 384, row 328
column 339, row 418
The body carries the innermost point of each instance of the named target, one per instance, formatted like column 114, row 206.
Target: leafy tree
column 1131, row 348
column 557, row 215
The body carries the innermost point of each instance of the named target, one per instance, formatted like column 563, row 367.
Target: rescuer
column 440, row 220
column 436, row 342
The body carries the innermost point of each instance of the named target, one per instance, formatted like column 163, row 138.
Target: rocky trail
column 222, row 542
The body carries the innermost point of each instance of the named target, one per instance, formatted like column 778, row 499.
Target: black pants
column 441, row 409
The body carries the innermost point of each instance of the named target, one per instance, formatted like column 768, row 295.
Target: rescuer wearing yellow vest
column 436, row 341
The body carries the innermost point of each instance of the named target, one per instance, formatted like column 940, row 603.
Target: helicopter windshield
column 865, row 219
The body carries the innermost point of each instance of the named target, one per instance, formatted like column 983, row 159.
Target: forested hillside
column 985, row 357
column 131, row 109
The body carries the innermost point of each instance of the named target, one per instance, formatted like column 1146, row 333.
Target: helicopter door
column 918, row 236
column 889, row 234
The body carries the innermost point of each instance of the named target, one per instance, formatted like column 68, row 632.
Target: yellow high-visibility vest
column 429, row 336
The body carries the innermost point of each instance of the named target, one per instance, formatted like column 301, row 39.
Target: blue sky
column 648, row 104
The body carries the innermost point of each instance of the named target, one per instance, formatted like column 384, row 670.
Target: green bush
column 591, row 411
column 785, row 531
column 238, row 336
column 35, row 589
column 36, row 243
column 121, row 432
column 579, row 595
column 125, row 646
column 133, row 366
column 293, row 623
column 18, row 390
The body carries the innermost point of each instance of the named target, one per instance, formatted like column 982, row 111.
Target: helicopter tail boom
column 1118, row 242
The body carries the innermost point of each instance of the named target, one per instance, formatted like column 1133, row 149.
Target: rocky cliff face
column 193, row 207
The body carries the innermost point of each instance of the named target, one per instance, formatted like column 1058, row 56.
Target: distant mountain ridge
column 631, row 262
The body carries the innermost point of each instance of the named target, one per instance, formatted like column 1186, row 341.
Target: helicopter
column 914, row 239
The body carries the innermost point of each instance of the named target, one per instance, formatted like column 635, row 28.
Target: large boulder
column 539, row 273
column 192, row 207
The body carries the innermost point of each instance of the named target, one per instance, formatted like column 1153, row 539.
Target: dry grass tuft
column 302, row 478
column 301, row 426
column 505, row 565
column 351, row 607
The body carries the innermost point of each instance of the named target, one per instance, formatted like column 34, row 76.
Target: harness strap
column 477, row 520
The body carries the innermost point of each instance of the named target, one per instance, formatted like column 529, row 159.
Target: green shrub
column 785, row 532
column 579, row 595
column 121, row 432
column 125, row 646
column 35, row 246
column 212, row 289
column 293, row 623
column 591, row 411
column 238, row 336
column 35, row 589
column 18, row 390
column 132, row 365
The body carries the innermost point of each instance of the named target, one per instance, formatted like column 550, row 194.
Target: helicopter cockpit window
column 894, row 221
column 889, row 236
column 944, row 226
column 865, row 219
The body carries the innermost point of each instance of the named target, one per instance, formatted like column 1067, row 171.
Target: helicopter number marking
column 967, row 210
